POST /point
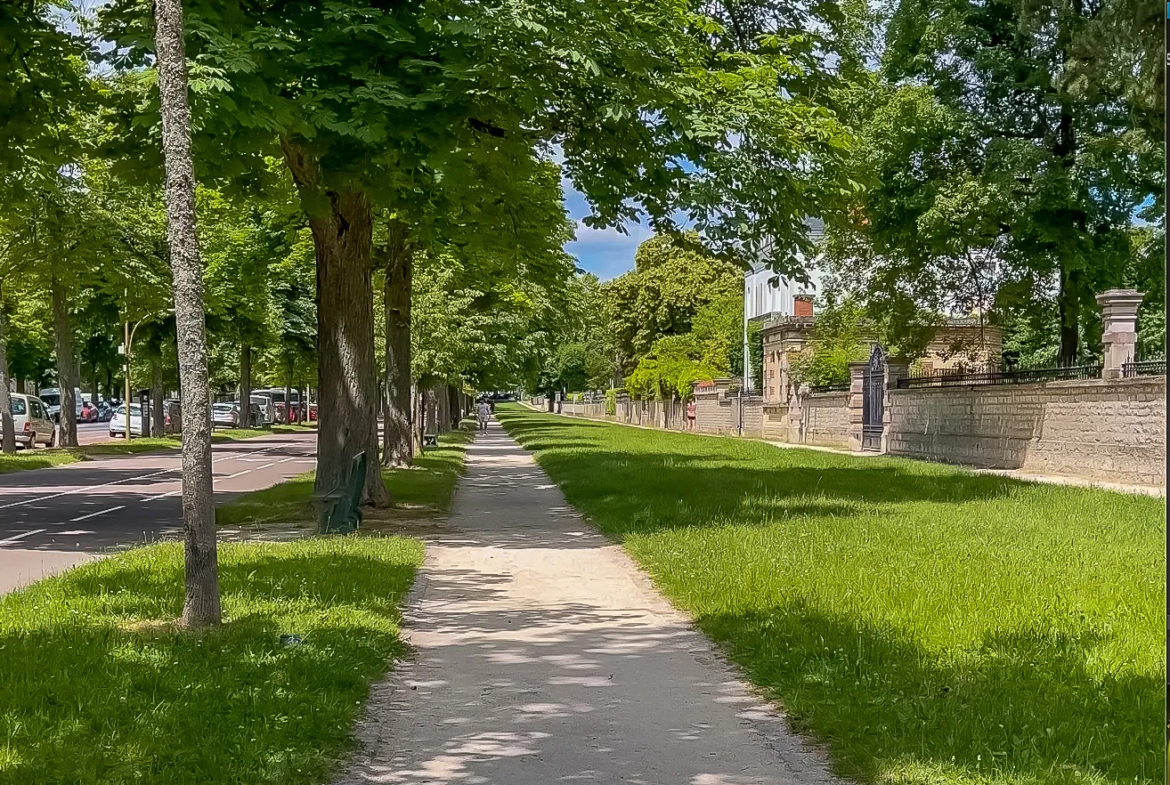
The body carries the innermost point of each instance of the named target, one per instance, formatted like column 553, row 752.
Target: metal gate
column 873, row 401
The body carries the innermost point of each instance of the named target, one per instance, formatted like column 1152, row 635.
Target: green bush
column 611, row 402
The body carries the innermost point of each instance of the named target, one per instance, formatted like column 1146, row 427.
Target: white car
column 224, row 415
column 118, row 421
column 31, row 420
column 267, row 408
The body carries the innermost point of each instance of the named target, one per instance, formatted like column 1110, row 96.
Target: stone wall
column 826, row 419
column 1112, row 430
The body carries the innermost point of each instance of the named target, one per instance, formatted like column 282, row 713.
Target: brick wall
column 826, row 419
column 1104, row 430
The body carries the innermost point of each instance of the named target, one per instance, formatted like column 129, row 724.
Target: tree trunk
column 453, row 404
column 66, row 366
column 1069, row 308
column 7, row 426
column 418, row 416
column 201, row 607
column 246, row 384
column 397, row 449
column 288, row 404
column 347, row 399
column 158, row 417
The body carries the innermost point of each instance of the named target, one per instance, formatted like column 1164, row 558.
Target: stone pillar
column 896, row 368
column 796, row 414
column 1119, row 309
column 856, row 403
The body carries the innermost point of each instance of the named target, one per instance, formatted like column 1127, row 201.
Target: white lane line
column 16, row 537
column 96, row 514
column 265, row 466
column 237, row 474
column 160, row 496
column 84, row 488
column 286, row 460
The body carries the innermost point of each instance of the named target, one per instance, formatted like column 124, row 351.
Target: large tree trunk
column 158, row 417
column 397, row 448
column 246, row 384
column 1068, row 302
column 201, row 606
column 7, row 426
column 66, row 365
column 348, row 398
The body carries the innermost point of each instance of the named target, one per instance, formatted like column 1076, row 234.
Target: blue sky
column 605, row 253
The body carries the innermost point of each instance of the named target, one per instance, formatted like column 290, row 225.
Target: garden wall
column 825, row 419
column 1110, row 430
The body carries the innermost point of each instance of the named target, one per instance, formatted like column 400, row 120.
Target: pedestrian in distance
column 484, row 412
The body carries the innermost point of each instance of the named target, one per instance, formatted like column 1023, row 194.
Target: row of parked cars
column 268, row 407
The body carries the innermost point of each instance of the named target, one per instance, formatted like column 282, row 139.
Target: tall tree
column 358, row 98
column 201, row 607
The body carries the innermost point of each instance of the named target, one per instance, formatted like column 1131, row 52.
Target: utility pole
column 126, row 352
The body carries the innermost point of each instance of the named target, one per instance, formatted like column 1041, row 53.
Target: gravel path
column 543, row 655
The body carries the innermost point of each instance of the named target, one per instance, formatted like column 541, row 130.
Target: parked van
column 30, row 420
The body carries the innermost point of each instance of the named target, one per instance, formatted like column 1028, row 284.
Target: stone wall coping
column 1060, row 384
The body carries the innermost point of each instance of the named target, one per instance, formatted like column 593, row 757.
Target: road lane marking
column 160, row 496
column 16, row 537
column 96, row 514
column 286, row 460
column 265, row 466
column 82, row 488
column 237, row 474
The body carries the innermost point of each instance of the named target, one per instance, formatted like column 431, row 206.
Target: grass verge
column 930, row 625
column 97, row 685
column 423, row 491
column 43, row 458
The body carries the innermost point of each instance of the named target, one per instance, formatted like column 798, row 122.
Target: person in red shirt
column 690, row 415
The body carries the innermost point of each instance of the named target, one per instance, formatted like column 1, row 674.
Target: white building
column 764, row 292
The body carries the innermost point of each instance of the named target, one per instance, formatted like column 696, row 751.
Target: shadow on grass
column 98, row 686
column 720, row 477
column 422, row 491
column 1021, row 706
column 931, row 625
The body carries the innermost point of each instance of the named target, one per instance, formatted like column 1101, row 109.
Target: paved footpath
column 543, row 655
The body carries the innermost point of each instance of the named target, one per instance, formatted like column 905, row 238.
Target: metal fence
column 962, row 377
column 1145, row 365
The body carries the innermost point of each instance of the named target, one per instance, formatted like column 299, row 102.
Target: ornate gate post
column 857, row 372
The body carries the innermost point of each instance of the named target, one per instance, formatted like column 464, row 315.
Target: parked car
column 312, row 412
column 105, row 411
column 89, row 412
column 267, row 406
column 225, row 415
column 118, row 421
column 30, row 420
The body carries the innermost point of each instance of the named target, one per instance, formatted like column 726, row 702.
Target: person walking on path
column 483, row 414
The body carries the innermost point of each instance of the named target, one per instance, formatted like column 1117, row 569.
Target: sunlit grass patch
column 98, row 685
column 929, row 624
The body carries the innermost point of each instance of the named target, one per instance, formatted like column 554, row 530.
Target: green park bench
column 341, row 508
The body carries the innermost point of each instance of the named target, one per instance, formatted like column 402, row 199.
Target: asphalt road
column 51, row 519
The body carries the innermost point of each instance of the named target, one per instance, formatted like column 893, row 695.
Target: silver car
column 31, row 420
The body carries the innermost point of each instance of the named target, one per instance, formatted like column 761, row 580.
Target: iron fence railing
column 1147, row 365
column 824, row 388
column 991, row 375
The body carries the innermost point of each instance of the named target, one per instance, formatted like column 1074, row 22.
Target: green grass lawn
column 42, row 458
column 930, row 625
column 422, row 491
column 97, row 685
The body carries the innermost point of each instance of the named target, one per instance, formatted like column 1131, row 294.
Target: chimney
column 803, row 306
